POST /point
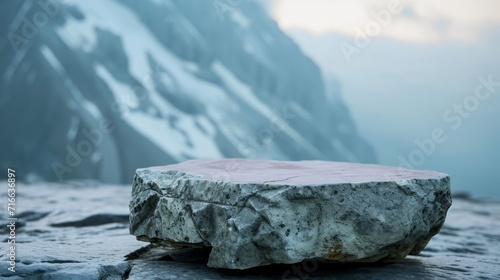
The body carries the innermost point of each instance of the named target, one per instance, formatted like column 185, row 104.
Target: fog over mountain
column 96, row 89
column 401, row 92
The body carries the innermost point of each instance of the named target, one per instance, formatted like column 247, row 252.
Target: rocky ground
column 80, row 231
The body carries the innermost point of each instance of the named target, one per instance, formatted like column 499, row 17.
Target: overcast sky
column 417, row 21
column 423, row 61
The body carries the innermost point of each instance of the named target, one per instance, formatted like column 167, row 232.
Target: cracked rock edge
column 255, row 224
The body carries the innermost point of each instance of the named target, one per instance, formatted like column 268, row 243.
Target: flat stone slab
column 465, row 248
column 257, row 212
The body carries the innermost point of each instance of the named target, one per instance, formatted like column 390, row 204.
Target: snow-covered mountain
column 96, row 89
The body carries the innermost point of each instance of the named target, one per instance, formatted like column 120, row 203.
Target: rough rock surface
column 69, row 231
column 467, row 247
column 253, row 213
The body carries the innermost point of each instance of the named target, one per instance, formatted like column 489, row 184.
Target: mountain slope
column 105, row 87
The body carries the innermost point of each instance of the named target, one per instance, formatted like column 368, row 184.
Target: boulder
column 258, row 212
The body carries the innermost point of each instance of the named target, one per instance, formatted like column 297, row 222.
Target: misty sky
column 419, row 21
column 416, row 72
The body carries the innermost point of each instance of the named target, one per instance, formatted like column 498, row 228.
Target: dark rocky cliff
column 96, row 89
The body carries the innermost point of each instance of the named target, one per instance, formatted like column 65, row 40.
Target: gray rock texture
column 467, row 247
column 255, row 212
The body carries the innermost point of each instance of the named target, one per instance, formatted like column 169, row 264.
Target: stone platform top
column 257, row 212
column 311, row 172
